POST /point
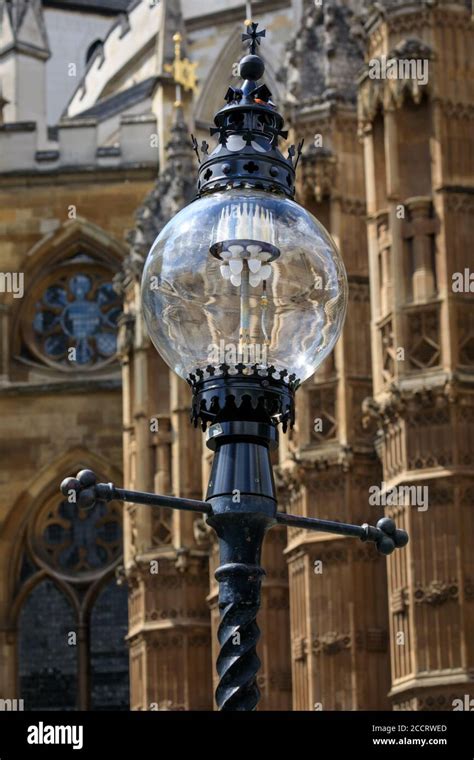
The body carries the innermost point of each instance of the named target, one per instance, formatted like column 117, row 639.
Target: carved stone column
column 331, row 458
column 423, row 396
column 420, row 230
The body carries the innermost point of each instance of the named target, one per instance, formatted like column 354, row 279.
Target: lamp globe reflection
column 244, row 277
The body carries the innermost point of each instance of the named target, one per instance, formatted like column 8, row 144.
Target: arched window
column 73, row 616
column 48, row 663
column 68, row 319
column 74, row 317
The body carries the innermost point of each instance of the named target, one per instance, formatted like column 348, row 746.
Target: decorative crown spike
column 249, row 127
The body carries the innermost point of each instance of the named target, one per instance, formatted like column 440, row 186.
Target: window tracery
column 77, row 310
column 73, row 614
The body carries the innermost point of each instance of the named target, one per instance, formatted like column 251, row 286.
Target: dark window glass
column 48, row 663
column 109, row 652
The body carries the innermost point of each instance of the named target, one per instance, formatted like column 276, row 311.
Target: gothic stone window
column 73, row 619
column 48, row 671
column 71, row 319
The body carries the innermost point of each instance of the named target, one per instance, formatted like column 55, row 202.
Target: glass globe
column 244, row 277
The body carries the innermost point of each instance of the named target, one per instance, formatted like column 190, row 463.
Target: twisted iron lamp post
column 244, row 295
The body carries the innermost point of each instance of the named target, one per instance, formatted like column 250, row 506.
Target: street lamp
column 244, row 295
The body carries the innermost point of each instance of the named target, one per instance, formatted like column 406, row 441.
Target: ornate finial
column 253, row 36
column 258, row 162
column 184, row 72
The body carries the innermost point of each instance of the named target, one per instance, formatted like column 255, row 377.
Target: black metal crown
column 253, row 394
column 248, row 128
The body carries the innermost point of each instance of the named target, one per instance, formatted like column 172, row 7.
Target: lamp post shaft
column 239, row 576
column 242, row 497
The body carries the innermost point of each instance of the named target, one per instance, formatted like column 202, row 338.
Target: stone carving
column 288, row 485
column 460, row 203
column 323, row 58
column 436, row 592
column 161, row 527
column 126, row 328
column 203, row 533
column 424, row 349
column 318, row 172
column 174, row 188
column 399, row 600
column 397, row 403
column 299, row 649
column 332, row 643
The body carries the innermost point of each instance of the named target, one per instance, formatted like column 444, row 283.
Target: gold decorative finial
column 184, row 72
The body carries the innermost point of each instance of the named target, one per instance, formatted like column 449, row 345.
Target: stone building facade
column 95, row 157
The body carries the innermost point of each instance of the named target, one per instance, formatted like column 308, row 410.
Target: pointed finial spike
column 299, row 151
column 253, row 37
column 194, row 143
